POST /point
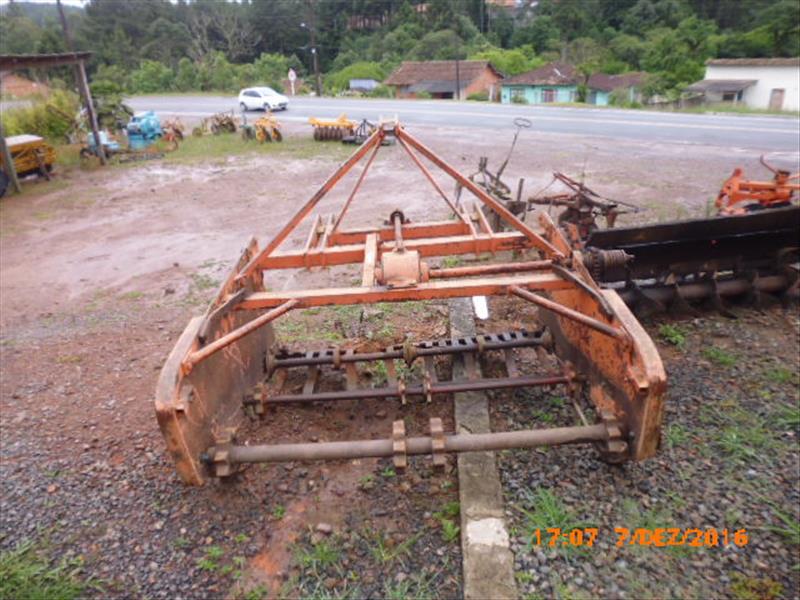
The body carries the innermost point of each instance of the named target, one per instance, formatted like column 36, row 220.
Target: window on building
column 548, row 95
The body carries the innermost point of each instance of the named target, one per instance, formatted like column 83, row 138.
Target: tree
column 542, row 33
column 438, row 45
column 509, row 62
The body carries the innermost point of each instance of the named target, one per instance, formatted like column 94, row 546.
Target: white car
column 258, row 98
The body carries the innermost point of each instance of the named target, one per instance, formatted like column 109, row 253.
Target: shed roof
column 754, row 62
column 24, row 61
column 555, row 73
column 720, row 86
column 609, row 83
column 411, row 72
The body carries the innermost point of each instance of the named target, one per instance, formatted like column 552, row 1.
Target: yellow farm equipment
column 333, row 129
column 31, row 155
column 265, row 129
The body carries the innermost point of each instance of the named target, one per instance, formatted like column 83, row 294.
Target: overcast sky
column 70, row 2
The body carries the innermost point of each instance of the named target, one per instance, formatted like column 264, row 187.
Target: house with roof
column 558, row 82
column 445, row 79
column 766, row 83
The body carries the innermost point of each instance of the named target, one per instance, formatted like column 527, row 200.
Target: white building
column 769, row 83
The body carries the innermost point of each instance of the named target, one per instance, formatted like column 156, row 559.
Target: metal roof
column 9, row 62
column 720, row 86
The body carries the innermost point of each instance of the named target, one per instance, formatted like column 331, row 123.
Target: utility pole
column 83, row 86
column 312, row 32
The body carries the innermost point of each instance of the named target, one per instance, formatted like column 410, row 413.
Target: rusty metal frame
column 592, row 328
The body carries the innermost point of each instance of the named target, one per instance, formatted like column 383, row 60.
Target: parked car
column 265, row 98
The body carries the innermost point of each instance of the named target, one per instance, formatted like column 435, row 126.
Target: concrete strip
column 488, row 562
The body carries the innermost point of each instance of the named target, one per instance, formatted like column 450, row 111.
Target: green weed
column 320, row 555
column 672, row 334
column 419, row 588
column 719, row 356
column 240, row 538
column 450, row 530
column 210, row 562
column 24, row 573
column 278, row 512
column 752, row 588
column 388, row 473
column 788, row 416
column 383, row 552
column 675, row 435
column 780, row 375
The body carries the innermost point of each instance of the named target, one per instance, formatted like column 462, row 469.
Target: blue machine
column 105, row 139
column 143, row 129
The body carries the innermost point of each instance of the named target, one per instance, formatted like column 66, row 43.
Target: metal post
column 458, row 82
column 10, row 169
column 83, row 86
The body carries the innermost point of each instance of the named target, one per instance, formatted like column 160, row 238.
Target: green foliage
column 382, row 91
column 26, row 574
column 544, row 509
column 510, row 62
column 672, row 334
column 479, row 97
column 752, row 588
column 340, row 80
column 719, row 356
column 38, row 120
column 439, row 45
column 152, row 76
column 423, row 95
column 519, row 100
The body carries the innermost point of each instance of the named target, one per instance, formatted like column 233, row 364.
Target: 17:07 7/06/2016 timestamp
column 660, row 537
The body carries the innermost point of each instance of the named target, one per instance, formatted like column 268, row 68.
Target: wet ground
column 100, row 271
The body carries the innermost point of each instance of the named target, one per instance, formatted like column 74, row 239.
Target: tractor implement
column 227, row 366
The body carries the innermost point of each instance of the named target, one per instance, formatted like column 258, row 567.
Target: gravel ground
column 729, row 459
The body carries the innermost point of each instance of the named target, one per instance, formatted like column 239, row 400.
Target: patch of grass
column 223, row 146
column 25, row 574
column 675, row 435
column 181, row 542
column 202, row 282
column 745, row 439
column 788, row 416
column 240, row 538
column 449, row 262
column 383, row 551
column 279, row 512
column 418, row 587
column 789, row 528
column 388, row 473
column 780, row 375
column 132, row 296
column 210, row 562
column 367, row 482
column 450, row 531
column 672, row 334
column 752, row 588
column 260, row 592
column 69, row 359
column 320, row 555
column 719, row 356
column 543, row 510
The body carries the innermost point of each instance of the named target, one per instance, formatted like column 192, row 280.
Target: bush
column 479, row 97
column 340, row 80
column 38, row 120
column 152, row 76
column 423, row 95
column 381, row 91
column 270, row 69
column 519, row 100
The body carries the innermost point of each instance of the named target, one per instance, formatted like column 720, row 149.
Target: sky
column 64, row 2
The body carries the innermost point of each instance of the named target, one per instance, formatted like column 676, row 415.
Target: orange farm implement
column 226, row 364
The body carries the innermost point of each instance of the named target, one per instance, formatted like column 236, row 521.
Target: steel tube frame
column 473, row 442
column 494, row 269
column 419, row 350
column 228, row 339
column 452, row 387
column 568, row 313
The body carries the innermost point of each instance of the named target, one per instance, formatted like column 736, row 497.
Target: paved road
column 764, row 133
